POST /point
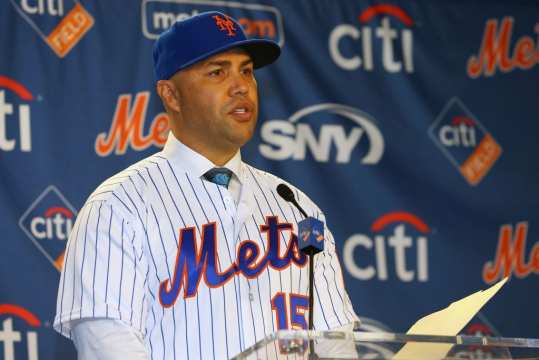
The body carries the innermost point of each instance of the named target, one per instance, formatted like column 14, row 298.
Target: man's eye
column 247, row 71
column 215, row 72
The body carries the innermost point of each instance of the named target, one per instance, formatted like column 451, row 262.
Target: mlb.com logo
column 15, row 118
column 18, row 333
column 327, row 132
column 61, row 24
column 48, row 222
column 465, row 141
column 365, row 45
column 397, row 247
column 259, row 21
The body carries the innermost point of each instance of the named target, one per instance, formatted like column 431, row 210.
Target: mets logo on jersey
column 60, row 23
column 48, row 222
column 194, row 263
column 465, row 142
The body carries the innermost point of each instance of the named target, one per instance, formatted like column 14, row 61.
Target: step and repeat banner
column 413, row 124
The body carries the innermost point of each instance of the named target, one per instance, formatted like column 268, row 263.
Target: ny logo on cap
column 225, row 24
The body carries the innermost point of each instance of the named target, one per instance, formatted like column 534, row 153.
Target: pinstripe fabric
column 125, row 242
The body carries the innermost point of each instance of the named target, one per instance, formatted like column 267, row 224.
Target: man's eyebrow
column 217, row 63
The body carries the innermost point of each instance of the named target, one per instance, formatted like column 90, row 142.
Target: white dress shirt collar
column 195, row 164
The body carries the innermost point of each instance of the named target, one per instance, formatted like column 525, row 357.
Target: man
column 190, row 253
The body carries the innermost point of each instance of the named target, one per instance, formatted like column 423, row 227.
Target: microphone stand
column 312, row 353
column 286, row 193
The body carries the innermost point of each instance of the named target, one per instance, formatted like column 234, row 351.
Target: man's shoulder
column 126, row 187
column 270, row 182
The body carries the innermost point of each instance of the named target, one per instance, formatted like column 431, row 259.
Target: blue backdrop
column 411, row 123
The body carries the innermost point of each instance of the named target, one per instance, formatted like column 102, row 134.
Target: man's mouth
column 241, row 112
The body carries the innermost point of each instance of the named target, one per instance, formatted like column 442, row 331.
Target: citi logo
column 298, row 136
column 41, row 7
column 366, row 257
column 56, row 223
column 351, row 48
column 15, row 116
column 48, row 222
column 12, row 338
column 460, row 132
column 465, row 142
column 60, row 27
column 257, row 20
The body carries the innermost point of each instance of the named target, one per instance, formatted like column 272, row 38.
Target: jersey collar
column 195, row 164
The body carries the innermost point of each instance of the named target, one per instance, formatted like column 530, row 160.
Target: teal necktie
column 220, row 176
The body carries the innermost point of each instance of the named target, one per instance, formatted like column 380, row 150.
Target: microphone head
column 285, row 192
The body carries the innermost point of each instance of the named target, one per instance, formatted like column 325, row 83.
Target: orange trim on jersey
column 216, row 261
column 277, row 315
column 293, row 325
column 168, row 283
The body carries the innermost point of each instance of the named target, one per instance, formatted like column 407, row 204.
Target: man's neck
column 216, row 155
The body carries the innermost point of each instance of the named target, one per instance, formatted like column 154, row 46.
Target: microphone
column 311, row 241
column 286, row 193
column 310, row 229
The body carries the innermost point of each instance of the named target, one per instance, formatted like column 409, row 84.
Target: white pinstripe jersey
column 200, row 277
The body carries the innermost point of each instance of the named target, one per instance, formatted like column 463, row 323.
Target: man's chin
column 241, row 137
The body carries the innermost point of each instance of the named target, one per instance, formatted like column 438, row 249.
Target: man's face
column 218, row 103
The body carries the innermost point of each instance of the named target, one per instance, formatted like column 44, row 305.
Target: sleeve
column 104, row 272
column 332, row 306
column 107, row 339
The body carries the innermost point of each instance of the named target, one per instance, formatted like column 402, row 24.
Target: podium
column 307, row 345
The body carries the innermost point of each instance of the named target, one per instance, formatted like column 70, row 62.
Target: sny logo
column 283, row 139
column 401, row 244
column 10, row 336
column 60, row 26
column 225, row 25
column 465, row 141
column 510, row 255
column 48, row 222
column 7, row 110
column 494, row 51
column 339, row 45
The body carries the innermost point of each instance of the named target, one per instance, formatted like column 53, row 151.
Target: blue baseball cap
column 199, row 37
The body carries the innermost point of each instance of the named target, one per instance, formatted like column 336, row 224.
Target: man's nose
column 239, row 85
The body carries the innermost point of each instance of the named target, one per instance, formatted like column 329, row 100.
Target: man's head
column 204, row 66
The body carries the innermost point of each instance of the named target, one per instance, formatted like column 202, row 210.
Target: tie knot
column 219, row 176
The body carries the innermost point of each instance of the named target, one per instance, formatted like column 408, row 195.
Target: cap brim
column 263, row 52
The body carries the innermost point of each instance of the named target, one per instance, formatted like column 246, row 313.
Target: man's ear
column 168, row 94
